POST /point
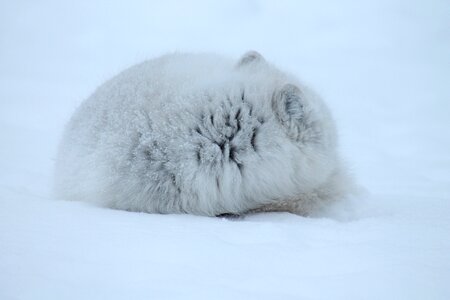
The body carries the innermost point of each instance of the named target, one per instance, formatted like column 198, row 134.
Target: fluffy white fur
column 204, row 135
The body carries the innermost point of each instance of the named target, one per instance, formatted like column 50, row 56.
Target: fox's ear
column 250, row 57
column 288, row 105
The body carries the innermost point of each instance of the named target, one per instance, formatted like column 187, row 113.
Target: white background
column 382, row 66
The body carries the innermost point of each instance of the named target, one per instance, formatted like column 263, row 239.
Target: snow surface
column 382, row 66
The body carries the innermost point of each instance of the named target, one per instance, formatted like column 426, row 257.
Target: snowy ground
column 384, row 69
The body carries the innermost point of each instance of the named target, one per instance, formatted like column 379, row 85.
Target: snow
column 383, row 68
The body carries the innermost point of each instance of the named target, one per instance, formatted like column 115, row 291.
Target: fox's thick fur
column 200, row 134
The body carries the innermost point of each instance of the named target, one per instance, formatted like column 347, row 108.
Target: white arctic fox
column 204, row 135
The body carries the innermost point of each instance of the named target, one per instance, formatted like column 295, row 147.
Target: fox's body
column 204, row 135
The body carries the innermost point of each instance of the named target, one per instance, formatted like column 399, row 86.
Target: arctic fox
column 204, row 135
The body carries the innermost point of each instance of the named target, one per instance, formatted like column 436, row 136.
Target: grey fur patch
column 288, row 104
column 250, row 57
